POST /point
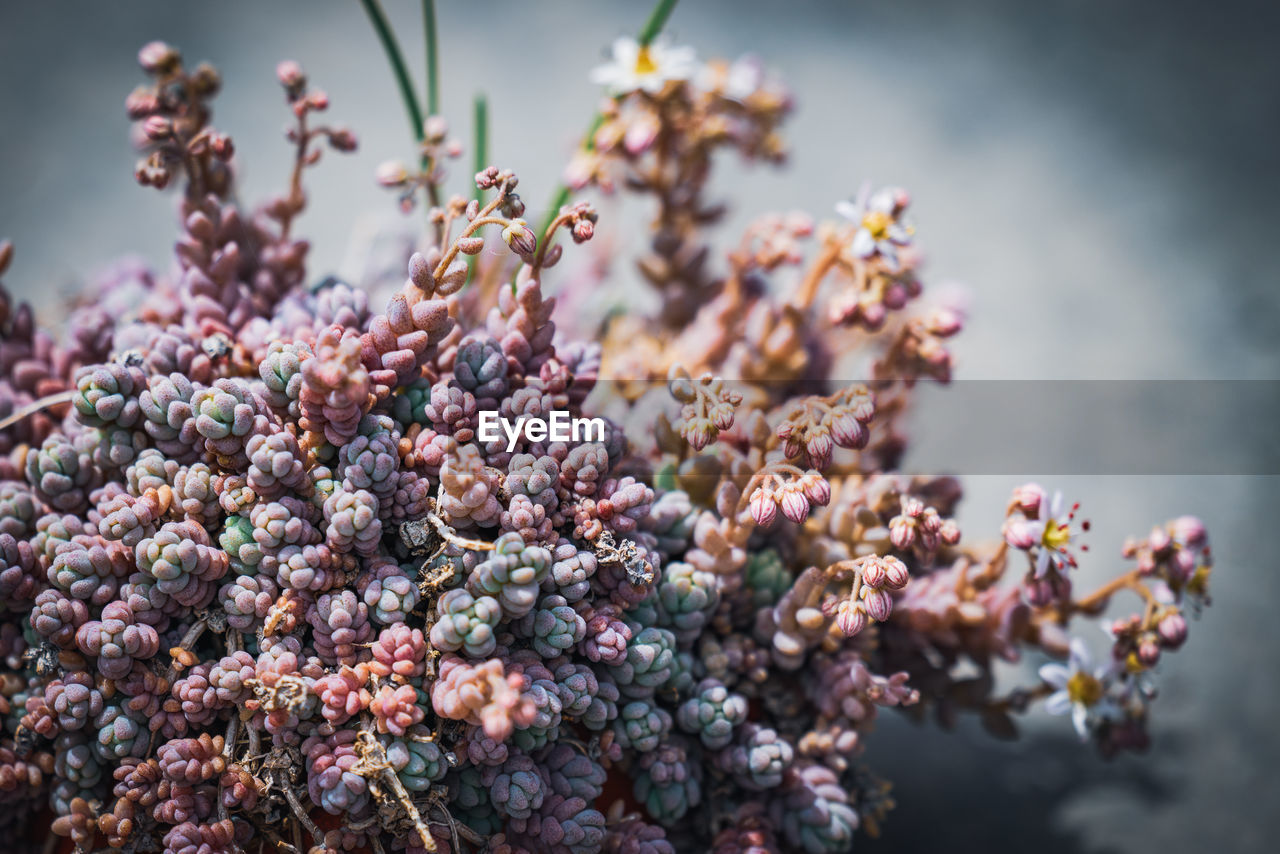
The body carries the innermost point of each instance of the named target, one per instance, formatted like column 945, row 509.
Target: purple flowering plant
column 265, row 586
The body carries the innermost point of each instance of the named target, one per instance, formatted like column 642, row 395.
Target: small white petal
column 849, row 210
column 1055, row 674
column 1080, row 717
column 863, row 245
column 1057, row 703
column 1080, row 657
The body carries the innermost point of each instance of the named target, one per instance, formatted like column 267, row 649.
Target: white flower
column 1082, row 689
column 879, row 219
column 634, row 67
column 1056, row 537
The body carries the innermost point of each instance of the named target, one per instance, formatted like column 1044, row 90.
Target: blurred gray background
column 1101, row 174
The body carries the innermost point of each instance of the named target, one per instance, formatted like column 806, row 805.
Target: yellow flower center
column 644, row 61
column 877, row 222
column 1084, row 689
column 1055, row 536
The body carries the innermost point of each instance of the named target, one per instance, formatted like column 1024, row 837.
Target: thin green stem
column 480, row 114
column 433, row 57
column 657, row 20
column 392, row 49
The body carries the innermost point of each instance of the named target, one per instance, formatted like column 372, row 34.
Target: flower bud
column 896, row 575
column 343, row 139
column 157, row 128
column 435, row 129
column 816, row 489
column 819, row 449
column 520, row 237
column 873, row 574
column 879, row 604
column 1173, row 630
column 513, row 205
column 1189, row 531
column 1149, row 652
column 222, row 146
column 1159, row 540
column 848, row 431
column 1028, row 498
column 762, row 506
column 949, row 533
column 290, row 75
column 850, row 617
column 1021, row 534
column 158, row 58
column 552, row 256
column 583, row 230
column 392, row 173
column 902, row 532
column 794, row 505
column 140, row 103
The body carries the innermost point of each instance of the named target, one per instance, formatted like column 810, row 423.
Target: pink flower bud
column 1189, row 531
column 902, row 532
column 930, row 521
column 290, row 75
column 158, row 57
column 157, row 128
column 1022, row 534
column 641, row 133
column 763, row 508
column 391, row 174
column 944, row 322
column 1028, row 498
column 583, row 230
column 343, row 139
column 848, row 431
column 1159, row 540
column 1184, row 563
column 816, row 489
column 896, row 573
column 819, row 449
column 873, row 574
column 1173, row 630
column 794, row 505
column 222, row 146
column 850, row 618
column 1149, row 652
column 520, row 237
column 879, row 604
column 949, row 533
column 435, row 129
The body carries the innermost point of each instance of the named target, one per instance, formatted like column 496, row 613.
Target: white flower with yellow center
column 881, row 230
column 1056, row 537
column 635, row 67
column 1081, row 689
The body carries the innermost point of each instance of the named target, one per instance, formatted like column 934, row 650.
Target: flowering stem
column 657, row 20
column 480, row 111
column 433, row 61
column 652, row 27
column 392, row 49
column 1098, row 598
